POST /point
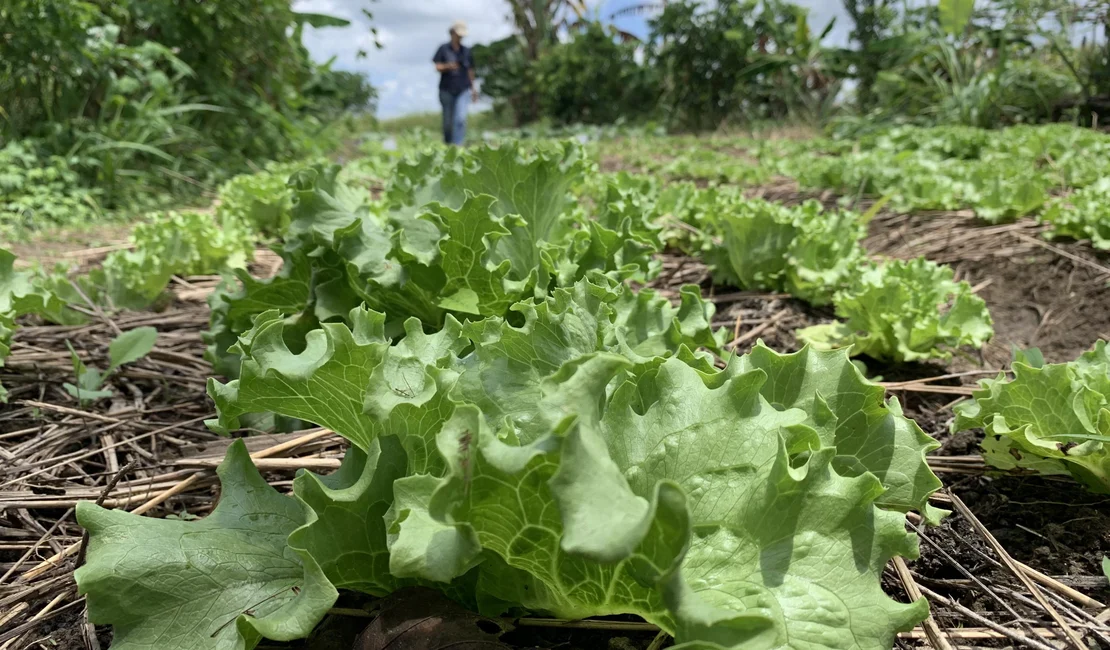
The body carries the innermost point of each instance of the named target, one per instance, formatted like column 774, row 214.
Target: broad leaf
column 850, row 413
column 474, row 284
column 345, row 531
column 130, row 346
column 324, row 383
column 955, row 14
column 785, row 551
column 1048, row 419
column 905, row 311
column 224, row 582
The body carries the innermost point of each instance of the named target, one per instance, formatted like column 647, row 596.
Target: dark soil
column 1044, row 301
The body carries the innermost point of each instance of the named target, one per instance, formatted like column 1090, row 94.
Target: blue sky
column 410, row 31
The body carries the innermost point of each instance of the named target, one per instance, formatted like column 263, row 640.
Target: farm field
column 729, row 391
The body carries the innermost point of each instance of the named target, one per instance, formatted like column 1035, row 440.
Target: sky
column 411, row 30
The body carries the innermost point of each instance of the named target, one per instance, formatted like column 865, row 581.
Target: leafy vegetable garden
column 618, row 389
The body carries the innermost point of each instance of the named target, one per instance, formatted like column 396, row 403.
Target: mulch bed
column 1048, row 294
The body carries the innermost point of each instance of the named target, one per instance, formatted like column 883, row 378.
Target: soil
column 1053, row 296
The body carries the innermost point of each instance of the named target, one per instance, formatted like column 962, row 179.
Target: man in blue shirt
column 456, row 76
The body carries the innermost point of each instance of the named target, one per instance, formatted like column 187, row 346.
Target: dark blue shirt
column 454, row 81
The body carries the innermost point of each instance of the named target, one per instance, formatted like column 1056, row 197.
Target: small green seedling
column 126, row 348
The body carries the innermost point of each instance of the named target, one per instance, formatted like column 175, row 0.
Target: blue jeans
column 454, row 115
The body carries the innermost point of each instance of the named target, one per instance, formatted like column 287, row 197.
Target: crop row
column 528, row 431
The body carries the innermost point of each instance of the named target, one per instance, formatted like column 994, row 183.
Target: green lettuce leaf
column 324, row 383
column 503, row 375
column 473, row 283
column 800, row 250
column 780, row 539
column 1049, row 419
column 535, row 186
column 850, row 413
column 224, row 582
column 24, row 292
column 1081, row 215
column 345, row 530
column 501, row 490
column 905, row 311
column 262, row 200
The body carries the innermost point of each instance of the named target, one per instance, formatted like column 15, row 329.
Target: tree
column 872, row 22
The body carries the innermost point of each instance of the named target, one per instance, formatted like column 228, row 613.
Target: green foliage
column 262, row 201
column 128, row 347
column 1049, row 418
column 223, row 582
column 565, row 431
column 164, row 245
column 506, row 76
column 465, row 233
column 139, row 101
column 1002, row 175
column 955, row 14
column 904, row 311
column 734, row 61
column 1085, row 214
column 24, row 293
column 987, row 76
column 594, row 79
column 131, row 346
column 803, row 251
column 89, row 381
column 708, row 65
column 37, row 191
column 194, row 243
column 872, row 23
column 696, row 163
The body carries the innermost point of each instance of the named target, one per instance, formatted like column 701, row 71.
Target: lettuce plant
column 1082, row 215
column 22, row 293
column 1001, row 175
column 801, row 250
column 164, row 245
column 579, row 457
column 262, row 201
column 460, row 234
column 904, row 311
column 1049, row 418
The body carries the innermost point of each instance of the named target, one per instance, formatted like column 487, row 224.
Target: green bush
column 594, row 79
column 40, row 190
column 737, row 61
column 145, row 99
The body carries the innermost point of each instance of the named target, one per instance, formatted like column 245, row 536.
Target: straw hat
column 459, row 27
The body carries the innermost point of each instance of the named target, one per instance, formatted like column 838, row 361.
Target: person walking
column 455, row 66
